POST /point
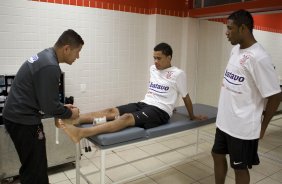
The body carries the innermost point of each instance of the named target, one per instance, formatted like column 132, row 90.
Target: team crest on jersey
column 244, row 59
column 169, row 74
column 32, row 59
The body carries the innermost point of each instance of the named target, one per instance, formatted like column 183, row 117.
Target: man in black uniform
column 35, row 89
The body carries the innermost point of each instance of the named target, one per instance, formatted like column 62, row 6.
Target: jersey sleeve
column 181, row 83
column 265, row 77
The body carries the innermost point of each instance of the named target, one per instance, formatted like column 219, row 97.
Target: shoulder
column 49, row 56
column 43, row 59
column 153, row 67
column 258, row 54
column 177, row 71
column 235, row 49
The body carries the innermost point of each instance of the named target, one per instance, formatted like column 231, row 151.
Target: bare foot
column 72, row 131
column 59, row 123
column 71, row 121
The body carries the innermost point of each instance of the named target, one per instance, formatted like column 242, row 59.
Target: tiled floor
column 197, row 169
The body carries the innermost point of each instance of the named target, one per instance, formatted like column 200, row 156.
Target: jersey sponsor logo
column 233, row 78
column 32, row 59
column 158, row 88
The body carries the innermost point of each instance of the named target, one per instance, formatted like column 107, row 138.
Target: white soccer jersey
column 164, row 87
column 249, row 78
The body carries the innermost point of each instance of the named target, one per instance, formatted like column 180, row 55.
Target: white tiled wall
column 113, row 61
column 118, row 49
column 210, row 61
column 272, row 42
column 214, row 50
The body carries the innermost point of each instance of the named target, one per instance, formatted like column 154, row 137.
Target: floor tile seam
column 275, row 173
column 125, row 161
column 269, row 140
column 263, row 179
column 273, row 160
column 110, row 167
column 155, row 153
column 205, row 178
column 135, row 158
column 179, row 170
column 146, row 174
column 68, row 176
column 140, row 159
column 124, row 148
column 203, row 163
column 270, row 150
column 61, row 181
column 171, row 167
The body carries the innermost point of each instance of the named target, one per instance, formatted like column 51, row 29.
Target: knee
column 218, row 157
column 127, row 118
column 214, row 155
column 112, row 111
column 242, row 174
column 239, row 172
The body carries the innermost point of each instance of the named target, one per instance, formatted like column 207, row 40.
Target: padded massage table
column 179, row 122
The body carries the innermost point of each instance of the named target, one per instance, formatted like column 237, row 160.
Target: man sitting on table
column 166, row 83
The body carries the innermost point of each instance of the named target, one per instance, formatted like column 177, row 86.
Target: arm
column 189, row 107
column 270, row 109
column 46, row 83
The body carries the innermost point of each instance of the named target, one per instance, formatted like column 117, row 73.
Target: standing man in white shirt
column 166, row 83
column 250, row 95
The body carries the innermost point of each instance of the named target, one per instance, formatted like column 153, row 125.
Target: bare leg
column 220, row 167
column 110, row 114
column 242, row 176
column 59, row 123
column 76, row 133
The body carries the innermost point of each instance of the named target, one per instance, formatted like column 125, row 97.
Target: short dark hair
column 165, row 48
column 69, row 37
column 241, row 17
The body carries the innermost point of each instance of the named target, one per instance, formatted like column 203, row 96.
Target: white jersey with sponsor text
column 164, row 88
column 249, row 78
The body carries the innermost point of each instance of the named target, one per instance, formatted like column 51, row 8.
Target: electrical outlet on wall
column 82, row 88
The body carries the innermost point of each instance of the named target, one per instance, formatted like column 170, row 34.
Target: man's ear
column 243, row 28
column 169, row 57
column 66, row 49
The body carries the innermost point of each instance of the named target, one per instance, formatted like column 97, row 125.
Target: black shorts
column 243, row 153
column 146, row 116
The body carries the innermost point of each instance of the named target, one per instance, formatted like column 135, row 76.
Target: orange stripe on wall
column 182, row 8
column 269, row 22
column 226, row 9
column 264, row 22
column 172, row 8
